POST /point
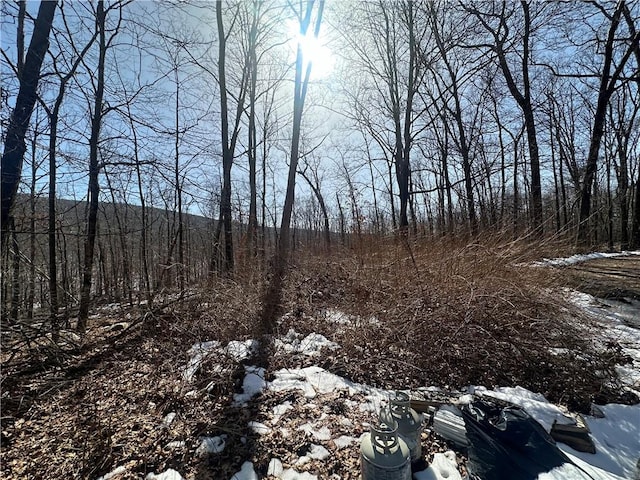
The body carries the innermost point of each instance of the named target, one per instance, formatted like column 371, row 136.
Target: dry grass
column 454, row 314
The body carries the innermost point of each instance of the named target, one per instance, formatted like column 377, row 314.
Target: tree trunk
column 463, row 143
column 94, row 170
column 523, row 99
column 607, row 85
column 14, row 145
column 51, row 230
column 15, row 276
column 31, row 288
column 273, row 294
column 609, row 207
column 178, row 187
column 343, row 235
column 515, row 190
column 635, row 227
column 146, row 281
column 252, row 226
column 229, row 138
column 315, row 188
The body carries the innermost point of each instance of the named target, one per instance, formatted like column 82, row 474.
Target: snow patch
column 291, row 474
column 253, row 384
column 211, row 445
column 259, row 428
column 169, row 474
column 444, row 466
column 176, row 444
column 336, row 316
column 168, row 419
column 314, row 381
column 322, row 434
column 197, row 354
column 275, row 467
column 318, row 452
column 236, row 350
column 344, row 441
column 617, row 441
column 279, row 410
column 246, row 472
column 309, row 345
column 118, row 471
column 617, row 324
column 562, row 262
column 241, row 350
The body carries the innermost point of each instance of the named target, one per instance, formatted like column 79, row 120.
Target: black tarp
column 506, row 443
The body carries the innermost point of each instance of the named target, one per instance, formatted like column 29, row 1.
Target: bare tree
column 14, row 145
column 98, row 112
column 495, row 22
column 450, row 85
column 54, row 114
column 392, row 52
column 311, row 175
column 273, row 294
column 607, row 85
column 229, row 135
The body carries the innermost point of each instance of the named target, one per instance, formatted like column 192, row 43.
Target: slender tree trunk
column 465, row 149
column 447, row 182
column 252, row 226
column 556, row 193
column 622, row 175
column 516, row 192
column 22, row 12
column 392, row 200
column 178, row 187
column 374, row 195
column 343, row 235
column 263, row 227
column 15, row 277
column 523, row 99
column 94, row 170
column 273, row 294
column 51, row 230
column 408, row 113
column 315, row 188
column 123, row 234
column 146, row 281
column 31, row 289
column 66, row 284
column 623, row 198
column 610, row 207
column 229, row 138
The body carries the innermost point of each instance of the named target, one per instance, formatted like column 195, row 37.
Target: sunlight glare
column 313, row 49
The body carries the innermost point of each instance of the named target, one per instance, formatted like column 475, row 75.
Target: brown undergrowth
column 452, row 315
column 447, row 314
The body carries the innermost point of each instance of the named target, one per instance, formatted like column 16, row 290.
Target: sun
column 314, row 50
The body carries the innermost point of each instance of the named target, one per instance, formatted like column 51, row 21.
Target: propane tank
column 409, row 422
column 384, row 455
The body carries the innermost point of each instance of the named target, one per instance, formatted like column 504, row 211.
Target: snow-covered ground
column 562, row 262
column 616, row 435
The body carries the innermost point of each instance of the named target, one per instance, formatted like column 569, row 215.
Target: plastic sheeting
column 506, row 443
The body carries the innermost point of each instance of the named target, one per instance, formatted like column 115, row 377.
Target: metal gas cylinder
column 409, row 422
column 384, row 455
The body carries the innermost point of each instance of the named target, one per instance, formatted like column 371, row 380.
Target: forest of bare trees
column 148, row 146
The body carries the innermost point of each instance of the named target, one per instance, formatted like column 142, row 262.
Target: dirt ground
column 613, row 278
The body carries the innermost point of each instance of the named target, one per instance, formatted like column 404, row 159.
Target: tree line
column 438, row 119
